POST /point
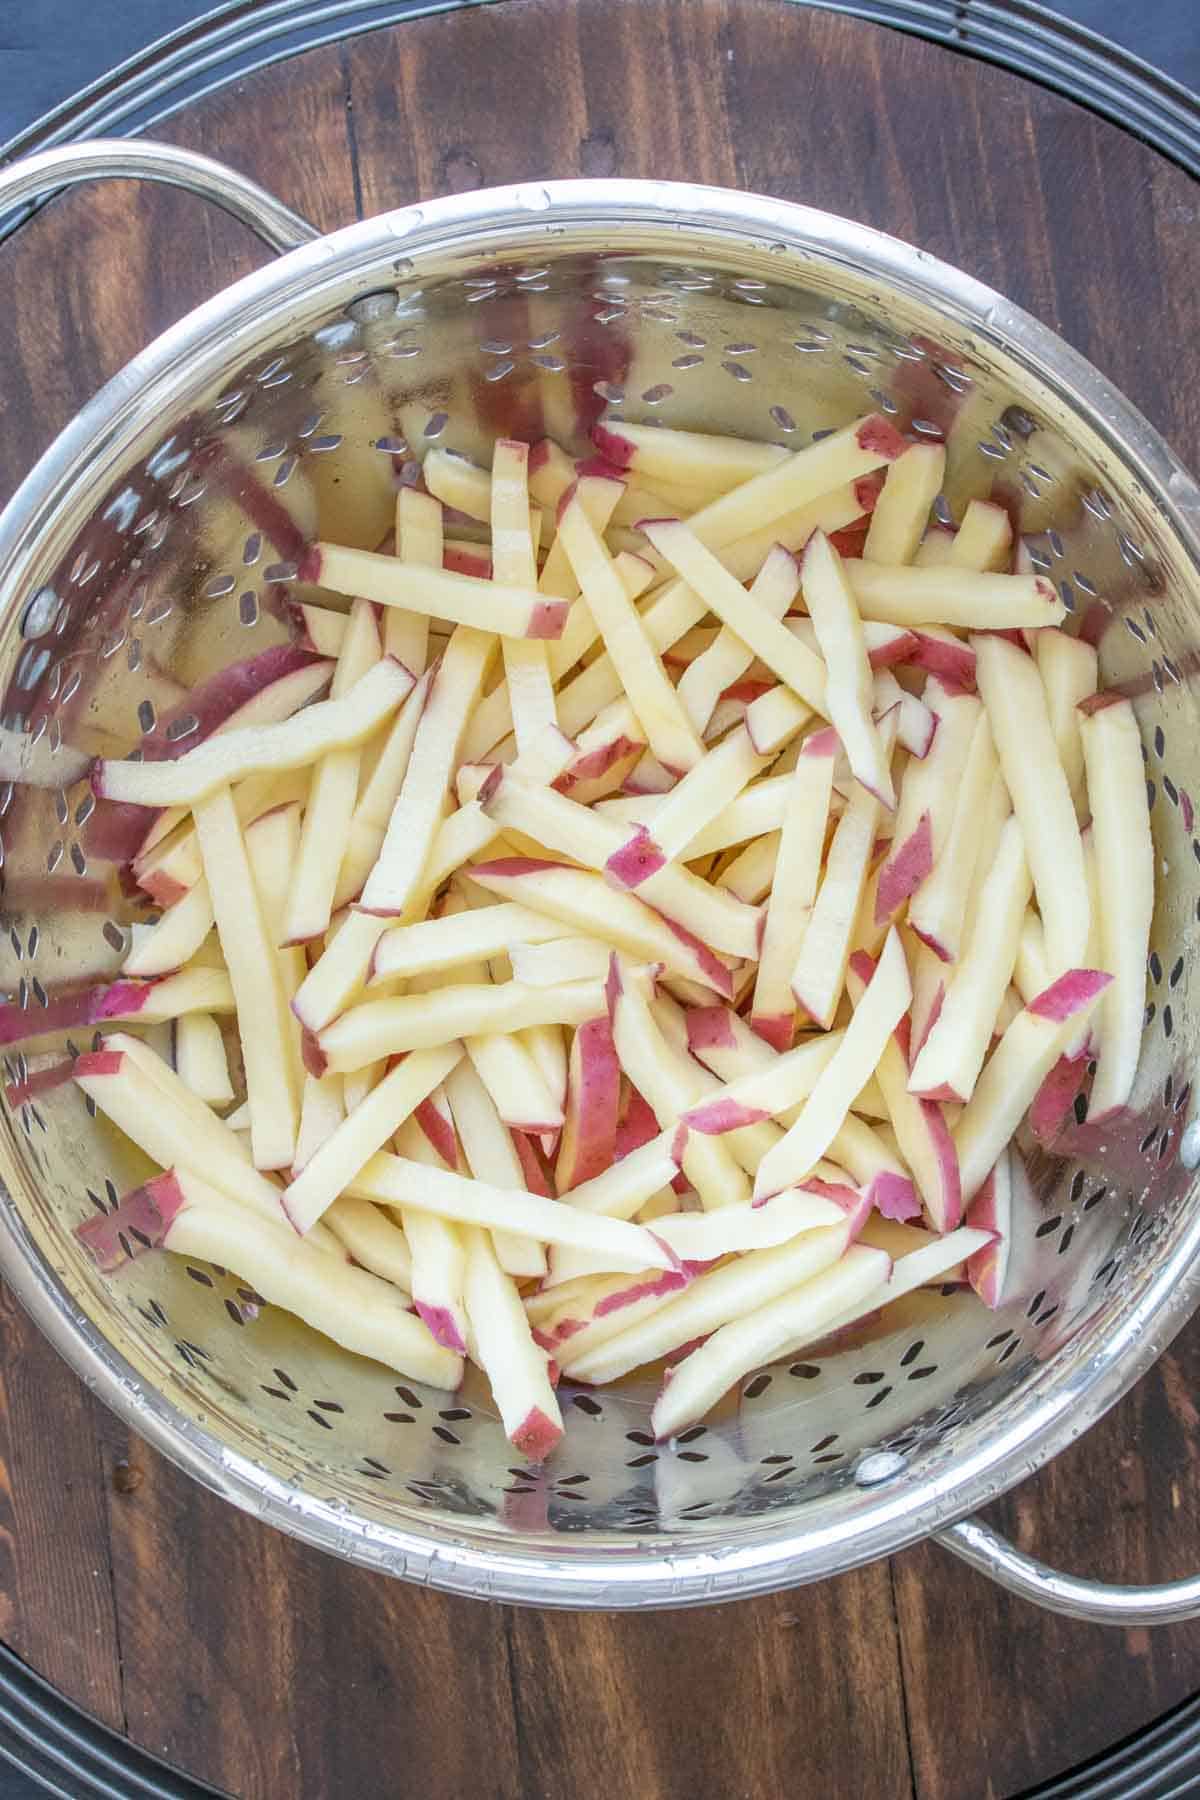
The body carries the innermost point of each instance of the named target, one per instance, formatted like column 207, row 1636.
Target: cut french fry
column 327, row 814
column 364, row 1130
column 394, row 1182
column 513, row 1363
column 912, row 484
column 951, row 1055
column 763, row 635
column 849, row 687
column 514, row 564
column 563, row 825
column 176, row 937
column 727, row 658
column 229, row 756
column 1016, row 1069
column 420, row 541
column 683, row 456
column 691, row 805
column 735, row 1349
column 456, row 938
column 820, row 972
column 614, row 1342
column 656, row 703
column 582, row 900
column 937, row 912
column 882, row 1006
column 563, row 959
column 796, row 875
column 322, row 1109
column 953, row 596
column 200, row 1060
column 519, row 1090
column 769, row 1090
column 271, row 1081
column 422, row 1021
column 1124, row 852
column 151, row 1105
column 1012, row 691
column 440, row 593
column 373, row 1241
column 491, row 1156
column 417, row 812
column 1069, row 669
column 354, row 1308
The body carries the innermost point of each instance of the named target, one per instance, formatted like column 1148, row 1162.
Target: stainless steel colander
column 149, row 549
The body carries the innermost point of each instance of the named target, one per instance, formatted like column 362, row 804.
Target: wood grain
column 273, row 1671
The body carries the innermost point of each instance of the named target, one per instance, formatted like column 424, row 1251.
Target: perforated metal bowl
column 147, row 550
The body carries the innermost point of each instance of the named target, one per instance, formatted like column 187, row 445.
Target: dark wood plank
column 271, row 1670
column 56, row 1601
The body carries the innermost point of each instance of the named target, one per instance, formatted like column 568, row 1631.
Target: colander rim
column 1054, row 1406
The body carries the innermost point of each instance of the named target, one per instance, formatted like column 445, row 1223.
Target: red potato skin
column 83, row 1006
column 713, row 970
column 894, row 1196
column 44, row 1081
column 880, row 437
column 867, row 490
column 636, row 860
column 905, row 870
column 442, row 1327
column 548, row 619
column 709, row 1029
column 311, row 1054
column 144, row 1215
column 536, row 1179
column 638, row 1126
column 825, row 742
column 776, row 1029
column 593, row 1097
column 987, row 1268
column 536, row 1435
column 953, row 664
column 615, row 449
column 439, row 1131
column 1069, row 994
column 1054, row 1103
column 465, row 562
column 663, row 1281
column 715, row 1117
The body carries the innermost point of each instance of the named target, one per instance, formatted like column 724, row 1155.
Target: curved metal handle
column 128, row 159
column 1100, row 1602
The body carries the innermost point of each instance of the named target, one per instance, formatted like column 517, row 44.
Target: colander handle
column 126, row 159
column 1100, row 1602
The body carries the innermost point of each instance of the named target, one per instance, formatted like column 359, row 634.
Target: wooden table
column 273, row 1671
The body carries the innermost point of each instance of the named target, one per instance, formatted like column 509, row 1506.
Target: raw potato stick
column 440, row 593
column 1124, row 851
column 763, row 635
column 876, row 1016
column 796, row 874
column 423, row 1021
column 329, row 808
column 229, row 756
column 514, row 564
column 396, row 1182
column 200, row 1058
column 491, row 1156
column 504, row 1346
column 612, row 1344
column 951, row 596
column 364, row 1131
column 727, row 658
column 354, row 1308
column 417, row 812
column 373, row 1241
column 176, row 937
column 911, row 485
column 271, row 1086
column 656, row 703
column 421, row 542
column 1012, row 691
column 849, row 687
column 697, row 1383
